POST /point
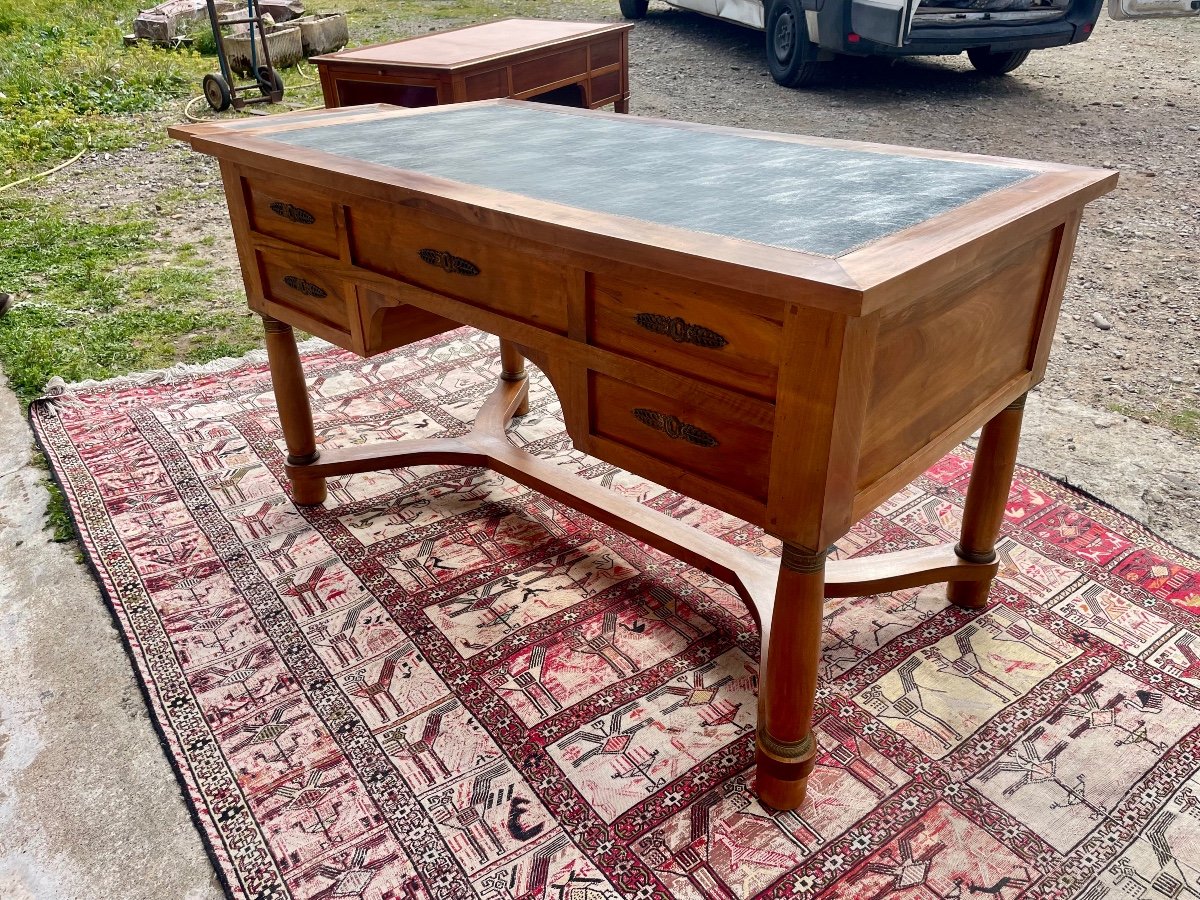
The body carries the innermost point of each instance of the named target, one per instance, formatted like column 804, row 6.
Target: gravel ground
column 1126, row 99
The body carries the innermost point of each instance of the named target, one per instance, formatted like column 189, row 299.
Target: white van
column 997, row 35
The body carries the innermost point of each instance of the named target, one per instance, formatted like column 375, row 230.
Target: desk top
column 848, row 215
column 820, row 200
column 472, row 44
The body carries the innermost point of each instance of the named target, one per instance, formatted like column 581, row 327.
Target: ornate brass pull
column 292, row 213
column 304, row 286
column 681, row 331
column 675, row 428
column 444, row 259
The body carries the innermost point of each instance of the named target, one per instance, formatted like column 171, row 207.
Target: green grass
column 377, row 20
column 96, row 300
column 1185, row 422
column 105, row 294
column 58, row 515
column 67, row 81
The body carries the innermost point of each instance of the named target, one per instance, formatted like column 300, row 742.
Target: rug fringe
column 59, row 393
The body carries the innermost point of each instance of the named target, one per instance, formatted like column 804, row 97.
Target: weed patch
column 1185, row 422
column 90, row 305
column 66, row 80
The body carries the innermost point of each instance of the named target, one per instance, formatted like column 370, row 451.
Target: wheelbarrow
column 221, row 89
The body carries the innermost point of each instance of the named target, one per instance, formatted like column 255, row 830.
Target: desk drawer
column 605, row 87
column 290, row 213
column 723, row 338
column 606, row 52
column 449, row 258
column 682, row 433
column 300, row 282
column 547, row 70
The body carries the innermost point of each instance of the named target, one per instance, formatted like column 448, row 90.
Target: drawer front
column 291, row 213
column 606, row 52
column 546, row 70
column 487, row 85
column 605, row 88
column 443, row 256
column 681, row 432
column 301, row 282
column 723, row 338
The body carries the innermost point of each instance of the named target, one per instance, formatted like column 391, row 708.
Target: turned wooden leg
column 785, row 748
column 295, row 415
column 512, row 368
column 987, row 496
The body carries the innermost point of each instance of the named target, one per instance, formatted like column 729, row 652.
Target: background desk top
column 475, row 43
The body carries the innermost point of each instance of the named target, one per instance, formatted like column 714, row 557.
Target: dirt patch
column 178, row 190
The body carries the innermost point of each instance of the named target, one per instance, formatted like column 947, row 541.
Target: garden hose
column 74, row 158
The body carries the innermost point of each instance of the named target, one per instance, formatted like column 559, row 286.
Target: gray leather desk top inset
column 818, row 200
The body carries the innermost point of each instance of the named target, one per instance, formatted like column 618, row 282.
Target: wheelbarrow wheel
column 216, row 92
column 269, row 81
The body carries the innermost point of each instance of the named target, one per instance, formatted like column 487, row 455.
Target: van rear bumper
column 934, row 40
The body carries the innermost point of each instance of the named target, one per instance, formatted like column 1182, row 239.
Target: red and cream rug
column 442, row 685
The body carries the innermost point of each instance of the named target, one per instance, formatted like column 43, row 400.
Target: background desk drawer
column 689, row 327
column 283, row 210
column 605, row 52
column 302, row 282
column 691, row 436
column 450, row 258
column 549, row 69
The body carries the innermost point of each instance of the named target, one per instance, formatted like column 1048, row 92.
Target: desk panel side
column 239, row 220
column 950, row 360
column 1056, row 286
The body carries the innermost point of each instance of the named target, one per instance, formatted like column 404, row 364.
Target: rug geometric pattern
column 443, row 685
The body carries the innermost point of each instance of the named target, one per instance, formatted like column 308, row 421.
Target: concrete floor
column 89, row 807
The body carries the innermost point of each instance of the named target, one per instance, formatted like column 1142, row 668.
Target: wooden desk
column 583, row 64
column 787, row 328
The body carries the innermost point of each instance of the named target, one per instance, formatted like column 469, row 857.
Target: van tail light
column 853, row 38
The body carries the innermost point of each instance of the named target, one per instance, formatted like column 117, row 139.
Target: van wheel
column 989, row 63
column 791, row 56
column 634, row 9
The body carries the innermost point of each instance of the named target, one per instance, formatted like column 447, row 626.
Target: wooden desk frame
column 596, row 60
column 849, row 420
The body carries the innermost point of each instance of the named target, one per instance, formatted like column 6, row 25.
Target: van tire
column 989, row 63
column 634, row 9
column 791, row 56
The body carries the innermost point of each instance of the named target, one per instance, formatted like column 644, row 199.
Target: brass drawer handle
column 681, row 331
column 444, row 259
column 293, row 213
column 675, row 428
column 304, row 286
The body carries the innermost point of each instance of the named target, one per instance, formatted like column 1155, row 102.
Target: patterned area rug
column 442, row 685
